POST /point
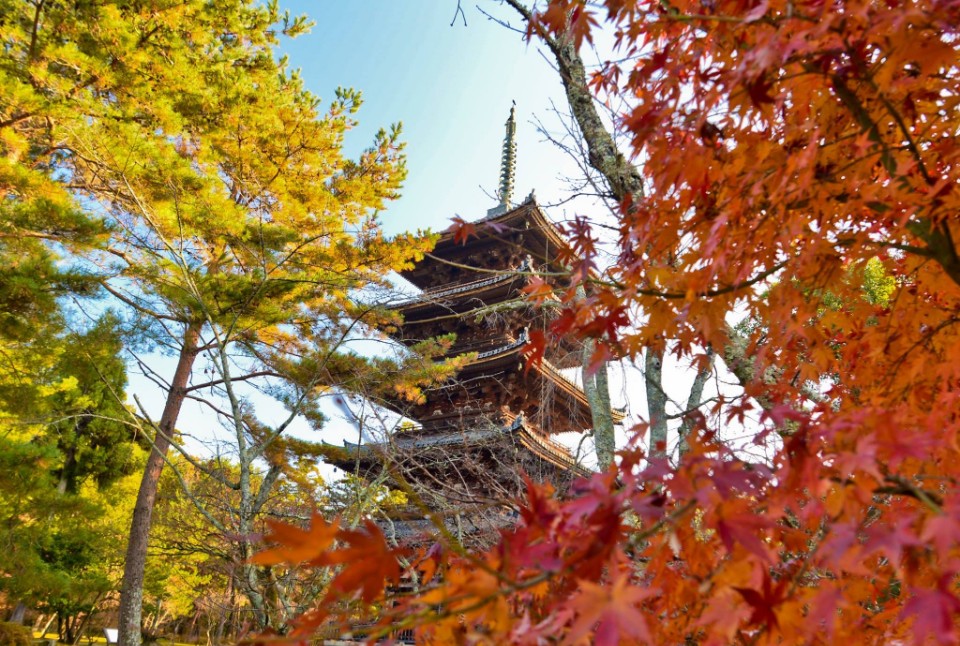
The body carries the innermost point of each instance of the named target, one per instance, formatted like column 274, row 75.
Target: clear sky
column 450, row 86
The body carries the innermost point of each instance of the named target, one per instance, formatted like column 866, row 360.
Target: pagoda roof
column 465, row 299
column 542, row 241
column 507, row 355
column 556, row 454
column 495, row 288
column 544, row 367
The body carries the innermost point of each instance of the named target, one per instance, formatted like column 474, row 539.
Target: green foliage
column 160, row 151
column 878, row 283
column 63, row 444
column 15, row 635
column 94, row 431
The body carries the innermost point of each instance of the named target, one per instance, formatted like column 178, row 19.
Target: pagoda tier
column 477, row 442
column 465, row 478
column 472, row 289
column 482, row 313
column 481, row 464
column 497, row 385
column 501, row 242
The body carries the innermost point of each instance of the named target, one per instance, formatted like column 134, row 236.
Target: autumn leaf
column 428, row 562
column 745, row 529
column 610, row 611
column 757, row 12
column 764, row 601
column 462, row 230
column 296, row 545
column 367, row 564
column 934, row 613
column 537, row 289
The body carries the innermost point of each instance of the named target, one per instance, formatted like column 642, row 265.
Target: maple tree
column 796, row 163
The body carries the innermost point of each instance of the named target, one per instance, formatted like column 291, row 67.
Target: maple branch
column 624, row 178
column 849, row 98
column 710, row 293
column 903, row 487
column 911, row 144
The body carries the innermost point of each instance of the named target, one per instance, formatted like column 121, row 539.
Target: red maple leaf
column 934, row 613
column 764, row 600
column 611, row 611
column 462, row 230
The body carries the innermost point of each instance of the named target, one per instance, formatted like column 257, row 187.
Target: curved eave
column 369, row 456
column 487, row 227
column 513, row 353
column 459, row 303
column 557, row 455
column 547, row 371
column 537, row 223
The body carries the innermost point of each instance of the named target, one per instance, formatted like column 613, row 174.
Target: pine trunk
column 131, row 594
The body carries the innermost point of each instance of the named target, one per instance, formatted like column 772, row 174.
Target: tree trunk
column 656, row 402
column 693, row 403
column 597, row 389
column 19, row 612
column 131, row 594
column 251, row 581
column 67, row 479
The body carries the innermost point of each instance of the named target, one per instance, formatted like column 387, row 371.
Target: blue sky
column 450, row 86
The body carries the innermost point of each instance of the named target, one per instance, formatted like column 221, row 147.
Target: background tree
column 231, row 223
column 65, row 453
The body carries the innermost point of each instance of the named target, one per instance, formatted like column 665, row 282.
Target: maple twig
column 660, row 524
column 459, row 12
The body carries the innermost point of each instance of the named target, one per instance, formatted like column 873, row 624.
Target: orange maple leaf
column 613, row 609
column 537, row 289
column 368, row 564
column 296, row 545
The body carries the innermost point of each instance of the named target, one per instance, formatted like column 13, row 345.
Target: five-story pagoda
column 478, row 433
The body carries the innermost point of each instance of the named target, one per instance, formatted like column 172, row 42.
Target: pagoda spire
column 508, row 164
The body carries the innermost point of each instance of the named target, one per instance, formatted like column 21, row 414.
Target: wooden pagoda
column 477, row 434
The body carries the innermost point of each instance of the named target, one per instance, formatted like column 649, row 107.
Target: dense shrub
column 15, row 635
